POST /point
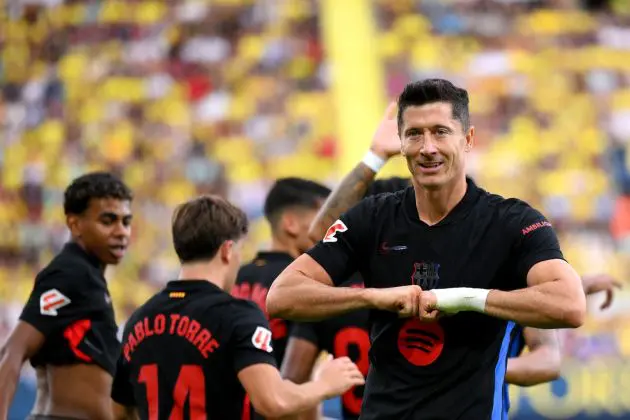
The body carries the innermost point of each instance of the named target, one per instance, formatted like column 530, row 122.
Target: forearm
column 350, row 191
column 297, row 399
column 9, row 377
column 533, row 368
column 297, row 297
column 549, row 306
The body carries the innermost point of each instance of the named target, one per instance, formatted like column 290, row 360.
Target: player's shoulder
column 64, row 270
column 384, row 200
column 511, row 210
column 243, row 308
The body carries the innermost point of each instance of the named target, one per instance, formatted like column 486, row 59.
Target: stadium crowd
column 225, row 96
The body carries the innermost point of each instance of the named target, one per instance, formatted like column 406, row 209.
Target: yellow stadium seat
column 114, row 11
column 149, row 12
column 123, row 89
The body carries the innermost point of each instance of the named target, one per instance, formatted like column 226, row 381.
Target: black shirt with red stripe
column 183, row 349
column 71, row 306
column 253, row 282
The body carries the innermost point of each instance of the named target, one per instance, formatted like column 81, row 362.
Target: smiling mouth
column 430, row 165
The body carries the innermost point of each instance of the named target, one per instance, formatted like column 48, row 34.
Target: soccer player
column 193, row 350
column 450, row 271
column 540, row 364
column 67, row 328
column 290, row 207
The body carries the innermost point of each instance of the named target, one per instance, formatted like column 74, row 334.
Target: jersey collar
column 76, row 250
column 459, row 211
column 190, row 285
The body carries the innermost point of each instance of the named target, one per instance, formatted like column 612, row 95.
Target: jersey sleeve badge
column 261, row 339
column 52, row 300
column 338, row 226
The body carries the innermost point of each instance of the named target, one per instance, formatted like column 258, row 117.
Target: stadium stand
column 185, row 97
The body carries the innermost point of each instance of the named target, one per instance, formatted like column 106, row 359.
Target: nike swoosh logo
column 386, row 248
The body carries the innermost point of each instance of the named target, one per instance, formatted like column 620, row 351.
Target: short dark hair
column 201, row 225
column 435, row 90
column 293, row 192
column 93, row 185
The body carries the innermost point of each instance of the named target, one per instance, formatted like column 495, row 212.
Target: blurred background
column 181, row 97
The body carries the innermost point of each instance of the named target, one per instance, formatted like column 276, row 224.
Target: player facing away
column 348, row 334
column 67, row 328
column 290, row 207
column 449, row 269
column 193, row 350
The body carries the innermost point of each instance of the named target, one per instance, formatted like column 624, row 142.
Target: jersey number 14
column 190, row 383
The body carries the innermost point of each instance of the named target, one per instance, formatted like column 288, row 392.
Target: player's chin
column 430, row 181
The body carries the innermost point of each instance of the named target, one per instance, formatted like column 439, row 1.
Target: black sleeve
column 251, row 340
column 57, row 300
column 534, row 239
column 122, row 389
column 306, row 331
column 388, row 185
column 347, row 242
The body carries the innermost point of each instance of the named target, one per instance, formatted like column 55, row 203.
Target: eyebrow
column 115, row 216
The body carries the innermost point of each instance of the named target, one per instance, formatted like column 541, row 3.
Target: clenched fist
column 404, row 300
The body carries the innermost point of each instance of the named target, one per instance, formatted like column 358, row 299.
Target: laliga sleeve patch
column 338, row 226
column 261, row 339
column 52, row 300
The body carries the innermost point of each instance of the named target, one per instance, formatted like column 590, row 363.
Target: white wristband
column 461, row 299
column 373, row 161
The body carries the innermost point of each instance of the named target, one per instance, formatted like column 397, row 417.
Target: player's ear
column 291, row 223
column 73, row 221
column 226, row 251
column 470, row 138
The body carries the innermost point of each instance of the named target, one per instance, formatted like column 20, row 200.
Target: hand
column 386, row 142
column 405, row 300
column 601, row 283
column 428, row 310
column 338, row 375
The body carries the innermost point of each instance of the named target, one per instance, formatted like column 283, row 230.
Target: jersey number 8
column 190, row 382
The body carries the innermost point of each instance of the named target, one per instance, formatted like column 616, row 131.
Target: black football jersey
column 253, row 282
column 346, row 335
column 183, row 349
column 418, row 370
column 71, row 306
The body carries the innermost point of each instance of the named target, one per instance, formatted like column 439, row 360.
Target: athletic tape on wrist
column 373, row 161
column 461, row 299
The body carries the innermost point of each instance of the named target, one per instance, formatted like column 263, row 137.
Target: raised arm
column 354, row 186
column 22, row 344
column 540, row 364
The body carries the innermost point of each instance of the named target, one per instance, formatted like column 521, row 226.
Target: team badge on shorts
column 52, row 300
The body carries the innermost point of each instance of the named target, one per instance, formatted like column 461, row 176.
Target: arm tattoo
column 351, row 190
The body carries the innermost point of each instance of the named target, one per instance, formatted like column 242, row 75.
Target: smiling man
column 449, row 270
column 67, row 328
